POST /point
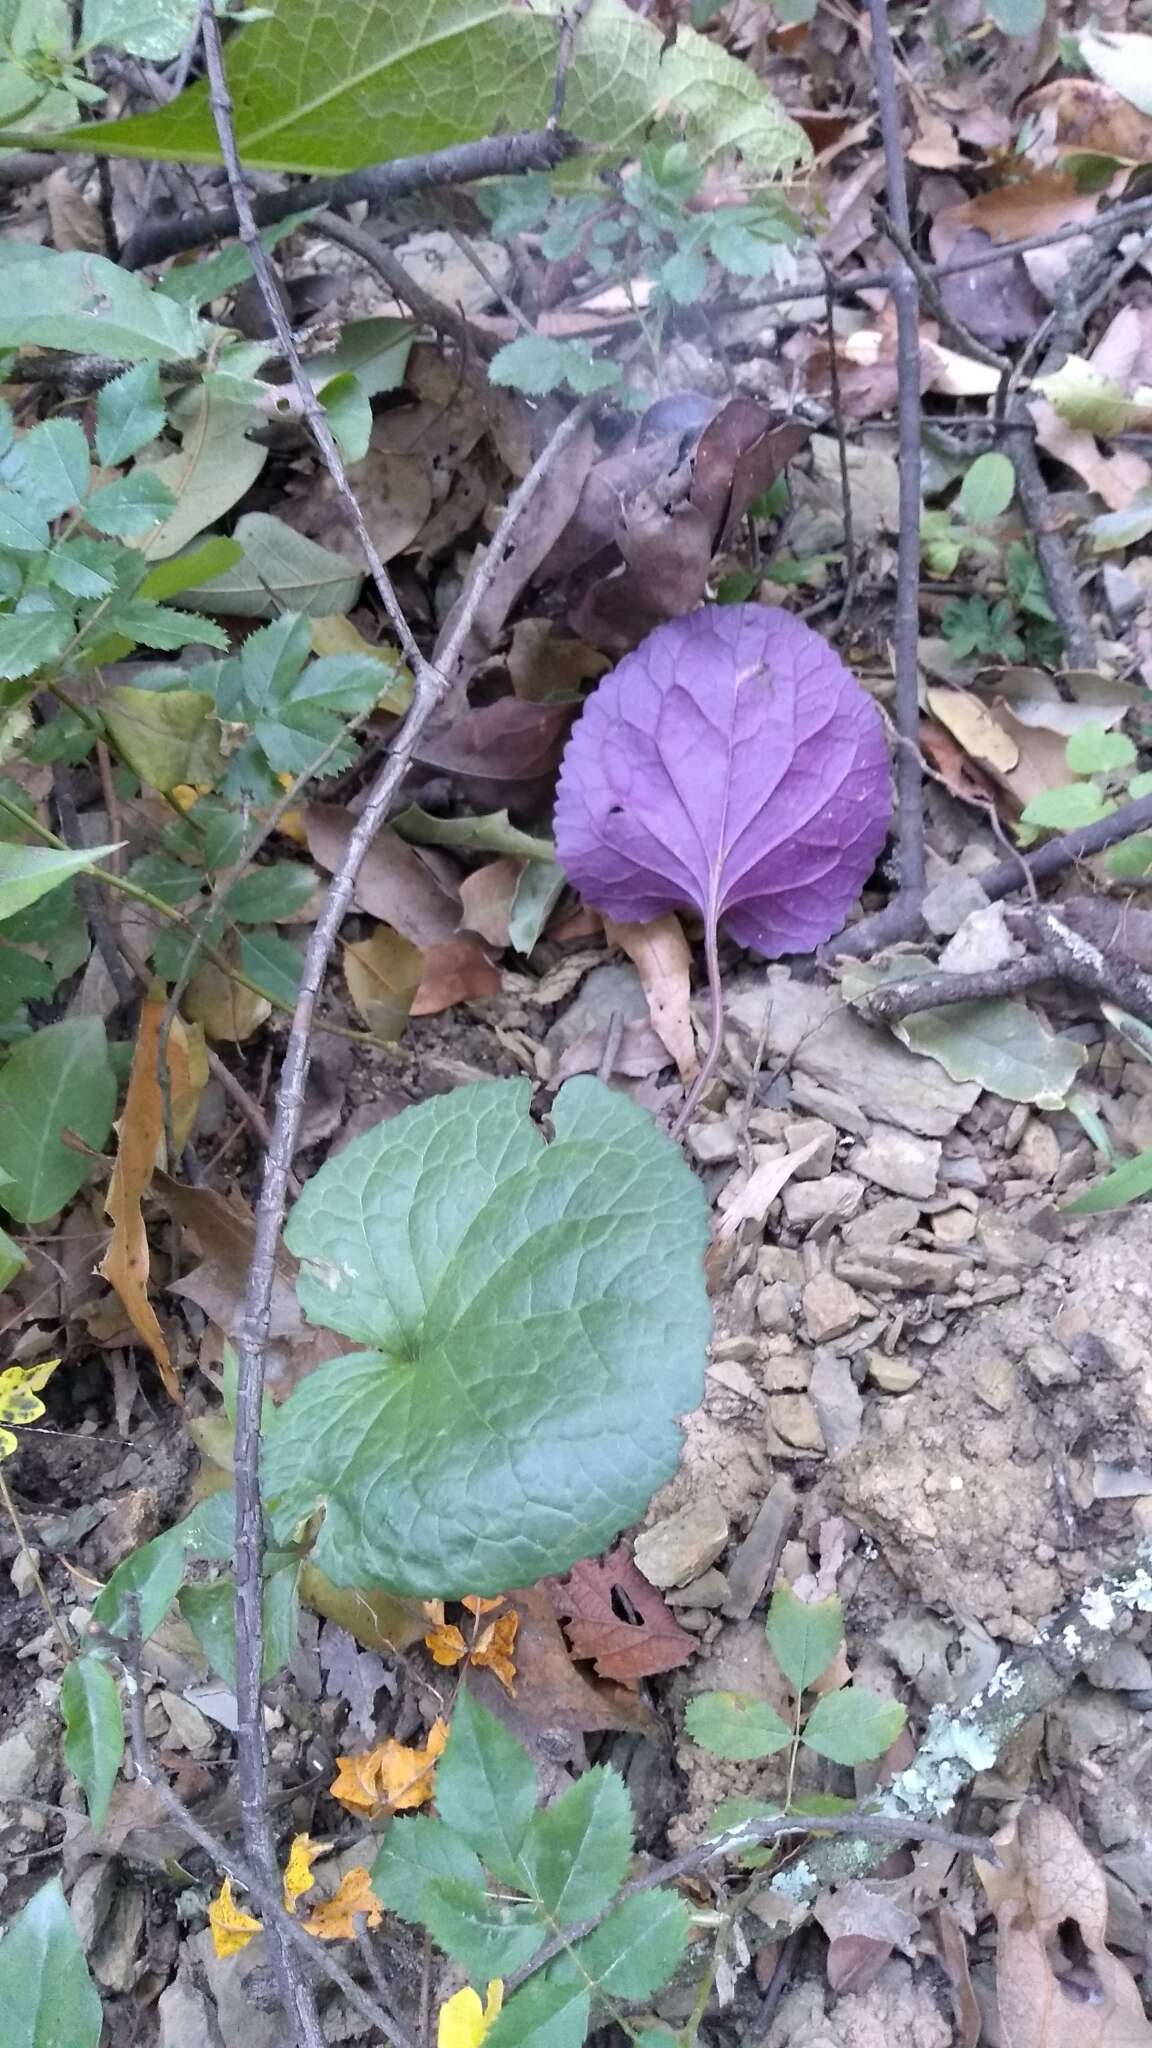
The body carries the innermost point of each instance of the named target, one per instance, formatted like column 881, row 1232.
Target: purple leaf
column 733, row 764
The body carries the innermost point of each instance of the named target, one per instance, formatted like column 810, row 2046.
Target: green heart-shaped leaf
column 538, row 1320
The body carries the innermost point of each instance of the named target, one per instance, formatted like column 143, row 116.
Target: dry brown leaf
column 394, row 492
column 459, row 971
column 1116, row 478
column 954, row 1955
column 389, row 1778
column 975, row 728
column 760, row 1190
column 383, row 974
column 335, row 1919
column 1076, row 116
column 594, row 1600
column 487, row 895
column 74, row 221
column 739, row 456
column 1011, row 213
column 503, row 753
column 864, row 1923
column 661, row 956
column 1048, row 1998
column 126, row 1263
column 409, row 888
column 222, row 1007
column 543, row 667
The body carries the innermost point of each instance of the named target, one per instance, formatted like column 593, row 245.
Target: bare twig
column 836, row 400
column 444, row 319
column 570, row 20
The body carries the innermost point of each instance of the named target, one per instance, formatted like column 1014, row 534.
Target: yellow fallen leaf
column 383, row 973
column 493, row 1650
column 298, row 1876
column 389, row 1777
column 125, row 1264
column 445, row 1644
column 463, row 2022
column 477, row 1604
column 232, row 1929
column 187, row 1078
column 334, row 1919
column 224, row 1007
column 185, row 794
column 18, row 1402
column 974, row 727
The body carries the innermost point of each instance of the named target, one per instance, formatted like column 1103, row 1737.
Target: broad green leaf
column 12, row 1260
column 491, row 833
column 538, row 363
column 1091, row 402
column 156, row 29
column 130, row 505
column 130, row 412
column 23, row 526
column 1124, row 529
column 412, row 1852
column 853, row 1726
column 55, row 464
column 804, row 1636
column 987, row 490
column 93, row 1731
column 29, row 872
column 538, row 891
column 149, row 1577
column 1016, row 17
column 1066, row 808
column 1122, row 61
column 735, row 1726
column 271, row 894
column 210, row 558
column 273, row 962
column 486, row 1789
column 58, row 1080
column 1125, row 1184
column 74, row 300
column 277, row 569
column 577, row 1850
column 490, row 1936
column 375, row 351
column 1092, row 750
column 732, row 1813
column 538, row 1318
column 1140, row 785
column 195, row 284
column 167, row 736
column 1004, row 1045
column 390, row 82
column 349, row 411
column 170, row 880
column 209, row 1611
column 635, row 1950
column 46, row 1995
column 215, row 465
column 1131, row 859
column 544, row 2014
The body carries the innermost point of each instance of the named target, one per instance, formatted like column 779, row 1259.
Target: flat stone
column 951, row 901
column 19, row 1763
column 779, row 1262
column 898, row 1161
column 1010, row 1247
column 774, row 1307
column 1038, row 1154
column 812, row 1130
column 23, row 1571
column 994, row 1383
column 964, row 1171
column 807, row 1201
column 831, row 1308
column 954, row 1226
column 185, row 2015
column 836, row 1399
column 734, row 1378
column 715, row 1143
column 786, row 1372
column 893, row 1375
column 711, row 1590
column 1049, row 1365
column 91, row 1901
column 885, row 1223
column 982, row 943
column 829, row 1104
column 680, row 1548
column 114, row 1955
column 794, row 1418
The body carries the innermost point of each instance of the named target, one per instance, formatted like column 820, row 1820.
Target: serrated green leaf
column 129, row 506
column 537, row 364
column 490, row 833
column 269, row 895
column 988, row 488
column 209, row 1611
column 155, row 29
column 491, row 1937
column 1131, row 860
column 542, row 1325
column 1093, row 750
column 169, row 879
column 1063, row 809
column 307, row 100
column 54, row 456
column 161, row 626
column 274, row 963
column 47, row 1997
column 685, row 276
column 215, row 465
column 732, row 1813
column 74, row 300
column 65, row 568
column 735, row 1726
column 375, row 351
column 636, row 1949
column 23, row 526
column 853, row 1726
column 544, row 2014
column 130, row 412
column 486, row 1789
column 276, row 568
column 577, row 1850
column 58, row 1080
column 1127, row 1183
column 167, row 736
column 415, row 1850
column 804, row 1636
column 29, row 872
column 93, row 1731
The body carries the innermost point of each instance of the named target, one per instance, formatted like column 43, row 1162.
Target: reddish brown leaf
column 739, row 454
column 404, row 886
column 504, row 753
column 457, row 972
column 551, row 1689
column 618, row 1621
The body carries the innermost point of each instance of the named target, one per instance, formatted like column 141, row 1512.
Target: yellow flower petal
column 232, row 1929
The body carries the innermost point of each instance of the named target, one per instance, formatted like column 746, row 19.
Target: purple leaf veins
column 733, row 764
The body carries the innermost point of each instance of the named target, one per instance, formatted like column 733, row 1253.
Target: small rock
column 954, row 1226
column 1010, row 1247
column 683, row 1546
column 187, row 1725
column 806, row 1131
column 899, row 1161
column 713, row 1144
column 786, row 1372
column 131, row 1521
column 774, row 1307
column 963, row 1170
column 1122, row 1668
column 1049, row 1365
column 794, row 1418
column 25, row 1565
column 740, row 1348
column 114, row 1955
column 91, row 1900
column 712, row 1590
column 807, row 1201
column 831, row 1308
column 906, row 1266
column 734, row 1378
column 1038, row 1154
column 885, row 1223
column 994, row 1383
column 893, row 1375
column 982, row 943
column 954, row 899
column 832, row 1107
column 186, row 2018
column 777, row 1262
column 836, row 1399
column 19, row 1763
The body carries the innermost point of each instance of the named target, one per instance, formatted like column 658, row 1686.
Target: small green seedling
column 1100, row 765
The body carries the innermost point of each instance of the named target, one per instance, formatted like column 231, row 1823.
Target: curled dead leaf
column 389, row 1778
column 661, row 956
column 383, row 973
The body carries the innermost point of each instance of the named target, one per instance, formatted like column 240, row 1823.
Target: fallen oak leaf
column 593, row 1600
column 335, row 1918
column 389, row 1778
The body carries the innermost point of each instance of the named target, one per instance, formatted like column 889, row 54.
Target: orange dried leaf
column 126, row 1263
column 390, row 1777
column 298, row 1876
column 445, row 1644
column 477, row 1604
column 232, row 1929
column 335, row 1919
column 493, row 1651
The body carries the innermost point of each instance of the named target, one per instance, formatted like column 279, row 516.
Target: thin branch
column 444, row 319
column 1052, row 552
column 495, row 156
column 836, row 401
